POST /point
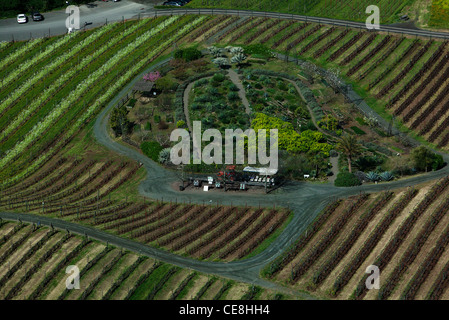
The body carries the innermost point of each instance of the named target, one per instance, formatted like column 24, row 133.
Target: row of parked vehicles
column 23, row 18
column 176, row 3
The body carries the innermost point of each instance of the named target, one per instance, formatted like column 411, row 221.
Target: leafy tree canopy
column 289, row 139
column 424, row 159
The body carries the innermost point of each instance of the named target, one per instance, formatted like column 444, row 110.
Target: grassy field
column 337, row 9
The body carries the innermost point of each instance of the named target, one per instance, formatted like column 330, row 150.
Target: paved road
column 101, row 12
column 96, row 14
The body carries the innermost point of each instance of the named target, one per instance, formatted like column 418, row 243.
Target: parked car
column 171, row 3
column 182, row 2
column 21, row 18
column 36, row 16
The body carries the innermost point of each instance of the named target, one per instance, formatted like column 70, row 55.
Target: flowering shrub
column 152, row 76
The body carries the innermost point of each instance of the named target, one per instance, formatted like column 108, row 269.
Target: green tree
column 424, row 159
column 188, row 54
column 119, row 121
column 350, row 147
column 151, row 149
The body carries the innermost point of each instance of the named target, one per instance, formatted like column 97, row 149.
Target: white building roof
column 262, row 171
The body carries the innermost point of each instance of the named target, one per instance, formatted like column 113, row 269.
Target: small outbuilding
column 144, row 86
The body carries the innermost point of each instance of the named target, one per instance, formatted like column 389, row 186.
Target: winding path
column 186, row 104
column 242, row 95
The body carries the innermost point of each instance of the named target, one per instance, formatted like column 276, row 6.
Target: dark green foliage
column 233, row 87
column 279, row 97
column 151, row 149
column 361, row 121
column 157, row 118
column 346, row 179
column 294, row 167
column 188, row 54
column 132, row 102
column 165, row 84
column 309, row 126
column 218, row 77
column 232, row 96
column 252, row 293
column 380, row 132
column 258, row 51
column 213, row 91
column 424, row 159
column 119, row 121
column 201, row 83
column 367, row 163
column 358, row 131
column 203, row 99
column 282, row 86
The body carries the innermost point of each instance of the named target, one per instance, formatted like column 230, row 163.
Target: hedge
column 151, row 149
column 347, row 179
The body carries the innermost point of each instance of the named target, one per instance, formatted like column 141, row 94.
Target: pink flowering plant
column 152, row 76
